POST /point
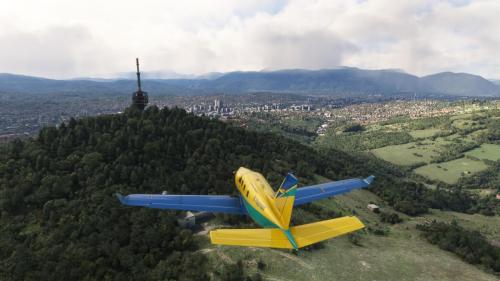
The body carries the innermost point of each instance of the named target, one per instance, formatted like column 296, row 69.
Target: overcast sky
column 62, row 39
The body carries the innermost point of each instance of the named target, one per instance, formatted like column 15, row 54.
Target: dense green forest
column 469, row 245
column 492, row 135
column 59, row 219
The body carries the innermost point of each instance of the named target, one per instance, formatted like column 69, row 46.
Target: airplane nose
column 241, row 171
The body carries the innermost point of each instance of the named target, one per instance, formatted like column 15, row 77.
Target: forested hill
column 59, row 219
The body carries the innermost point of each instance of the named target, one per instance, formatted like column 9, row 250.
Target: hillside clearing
column 410, row 153
column 400, row 255
column 486, row 151
column 449, row 172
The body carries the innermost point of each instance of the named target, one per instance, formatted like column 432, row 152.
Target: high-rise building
column 218, row 105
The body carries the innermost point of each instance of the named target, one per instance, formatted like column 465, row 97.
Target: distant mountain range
column 346, row 80
column 495, row 81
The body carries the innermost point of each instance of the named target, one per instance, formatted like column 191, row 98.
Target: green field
column 449, row 172
column 486, row 151
column 400, row 255
column 445, row 148
column 426, row 133
column 410, row 153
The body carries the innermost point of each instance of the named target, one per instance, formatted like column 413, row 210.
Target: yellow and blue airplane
column 272, row 210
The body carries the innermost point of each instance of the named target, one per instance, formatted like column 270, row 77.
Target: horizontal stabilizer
column 304, row 235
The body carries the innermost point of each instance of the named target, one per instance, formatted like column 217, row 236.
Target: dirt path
column 206, row 251
column 220, row 254
column 271, row 278
column 294, row 258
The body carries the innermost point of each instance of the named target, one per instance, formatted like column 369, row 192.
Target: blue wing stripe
column 209, row 203
column 315, row 192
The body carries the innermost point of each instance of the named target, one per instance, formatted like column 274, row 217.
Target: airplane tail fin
column 288, row 182
column 301, row 236
column 285, row 197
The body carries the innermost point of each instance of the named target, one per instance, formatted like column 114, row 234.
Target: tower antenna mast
column 138, row 76
column 139, row 98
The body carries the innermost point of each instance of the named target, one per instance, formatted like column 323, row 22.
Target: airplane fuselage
column 258, row 198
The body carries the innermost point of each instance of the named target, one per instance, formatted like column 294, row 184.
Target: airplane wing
column 304, row 235
column 209, row 203
column 315, row 192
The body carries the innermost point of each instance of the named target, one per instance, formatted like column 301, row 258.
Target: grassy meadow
column 410, row 153
column 435, row 140
column 486, row 151
column 449, row 172
column 400, row 255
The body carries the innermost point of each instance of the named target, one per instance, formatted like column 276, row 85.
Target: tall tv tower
column 139, row 98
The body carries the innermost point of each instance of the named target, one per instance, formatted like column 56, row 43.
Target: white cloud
column 59, row 38
column 66, row 51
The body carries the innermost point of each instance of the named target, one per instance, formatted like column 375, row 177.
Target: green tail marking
column 290, row 192
column 291, row 239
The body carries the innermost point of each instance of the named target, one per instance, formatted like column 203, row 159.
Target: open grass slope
column 405, row 154
column 401, row 255
column 486, row 151
column 411, row 153
column 451, row 171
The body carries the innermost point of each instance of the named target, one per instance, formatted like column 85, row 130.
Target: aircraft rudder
column 284, row 205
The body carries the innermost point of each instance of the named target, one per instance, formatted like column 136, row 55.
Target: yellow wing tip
column 355, row 220
column 218, row 236
column 312, row 233
column 211, row 237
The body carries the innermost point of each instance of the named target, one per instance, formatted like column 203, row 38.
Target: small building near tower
column 192, row 219
column 374, row 208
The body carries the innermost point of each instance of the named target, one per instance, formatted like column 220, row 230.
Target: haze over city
column 66, row 39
